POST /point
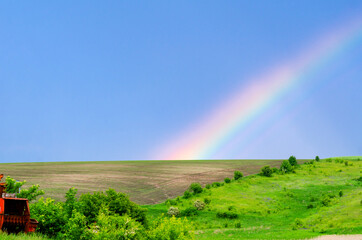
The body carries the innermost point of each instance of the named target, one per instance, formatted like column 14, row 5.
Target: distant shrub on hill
column 293, row 161
column 227, row 180
column 173, row 211
column 237, row 175
column 190, row 211
column 317, row 158
column 216, row 184
column 266, row 171
column 286, row 167
column 187, row 194
column 199, row 205
column 227, row 214
column 195, row 188
column 208, row 186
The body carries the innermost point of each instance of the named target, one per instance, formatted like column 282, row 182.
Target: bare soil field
column 146, row 182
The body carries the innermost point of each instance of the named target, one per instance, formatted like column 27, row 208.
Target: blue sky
column 115, row 80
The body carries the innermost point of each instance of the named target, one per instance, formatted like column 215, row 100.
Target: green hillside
column 317, row 198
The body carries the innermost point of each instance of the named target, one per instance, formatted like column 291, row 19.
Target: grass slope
column 291, row 206
column 146, row 182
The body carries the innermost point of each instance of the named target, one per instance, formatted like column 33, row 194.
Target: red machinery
column 14, row 213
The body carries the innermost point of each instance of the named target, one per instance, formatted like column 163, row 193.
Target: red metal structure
column 14, row 213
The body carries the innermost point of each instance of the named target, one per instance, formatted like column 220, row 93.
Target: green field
column 146, row 182
column 298, row 205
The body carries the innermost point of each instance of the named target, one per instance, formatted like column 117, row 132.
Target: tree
column 317, row 159
column 293, row 161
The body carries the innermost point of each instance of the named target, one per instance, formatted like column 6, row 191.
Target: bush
column 227, row 180
column 173, row 211
column 238, row 225
column 275, row 170
column 199, row 205
column 195, row 188
column 340, row 193
column 115, row 227
column 227, row 214
column 216, row 184
column 286, row 167
column 116, row 203
column 207, row 200
column 171, row 228
column 208, row 186
column 50, row 216
column 190, row 211
column 266, row 171
column 237, row 175
column 187, row 194
column 31, row 194
column 346, row 163
column 317, row 159
column 293, row 161
column 171, row 202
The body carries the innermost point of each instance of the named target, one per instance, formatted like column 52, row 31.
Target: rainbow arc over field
column 243, row 106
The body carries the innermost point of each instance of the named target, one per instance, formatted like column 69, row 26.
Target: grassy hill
column 320, row 198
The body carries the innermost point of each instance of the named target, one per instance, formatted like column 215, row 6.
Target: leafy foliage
column 266, row 171
column 286, row 167
column 293, row 161
column 237, row 175
column 13, row 186
column 31, row 193
column 227, row 180
column 199, row 205
column 173, row 211
column 195, row 188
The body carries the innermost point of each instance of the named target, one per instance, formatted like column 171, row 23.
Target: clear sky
column 121, row 80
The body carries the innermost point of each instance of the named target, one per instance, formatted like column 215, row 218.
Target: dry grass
column 146, row 182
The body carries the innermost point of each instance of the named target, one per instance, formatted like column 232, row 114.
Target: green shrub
column 275, row 170
column 173, row 211
column 227, row 180
column 286, row 167
column 293, row 161
column 266, row 171
column 216, row 184
column 207, row 200
column 170, row 229
column 208, row 186
column 328, row 160
column 117, row 203
column 238, row 225
column 340, row 193
column 195, row 188
column 31, row 193
column 199, row 205
column 115, row 227
column 237, row 175
column 50, row 216
column 171, row 202
column 310, row 206
column 346, row 163
column 187, row 194
column 227, row 214
column 190, row 211
column 317, row 159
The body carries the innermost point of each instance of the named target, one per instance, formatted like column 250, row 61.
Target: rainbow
column 220, row 126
